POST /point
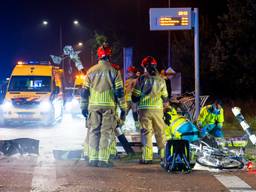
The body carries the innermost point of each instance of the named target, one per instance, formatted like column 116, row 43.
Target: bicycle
column 219, row 157
column 185, row 104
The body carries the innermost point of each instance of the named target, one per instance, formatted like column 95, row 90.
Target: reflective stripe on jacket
column 105, row 86
column 176, row 121
column 151, row 90
column 207, row 117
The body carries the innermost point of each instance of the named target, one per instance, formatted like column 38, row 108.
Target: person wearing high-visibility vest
column 179, row 127
column 211, row 119
column 150, row 94
column 128, row 87
column 103, row 90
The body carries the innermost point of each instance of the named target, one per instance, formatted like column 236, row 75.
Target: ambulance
column 34, row 94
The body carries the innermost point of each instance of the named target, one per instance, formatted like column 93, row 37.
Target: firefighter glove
column 85, row 113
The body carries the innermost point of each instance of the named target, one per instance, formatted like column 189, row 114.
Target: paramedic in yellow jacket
column 150, row 93
column 211, row 119
column 102, row 92
column 179, row 127
column 128, row 87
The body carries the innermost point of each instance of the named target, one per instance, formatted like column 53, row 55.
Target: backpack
column 177, row 157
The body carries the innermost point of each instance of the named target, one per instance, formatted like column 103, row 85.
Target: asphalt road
column 44, row 173
column 31, row 174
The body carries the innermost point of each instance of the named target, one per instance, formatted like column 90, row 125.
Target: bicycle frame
column 215, row 157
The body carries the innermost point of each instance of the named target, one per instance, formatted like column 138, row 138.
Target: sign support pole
column 197, row 68
column 169, row 42
column 169, row 49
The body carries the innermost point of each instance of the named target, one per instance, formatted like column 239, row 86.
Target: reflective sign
column 170, row 19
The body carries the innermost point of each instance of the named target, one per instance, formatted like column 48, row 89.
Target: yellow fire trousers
column 152, row 123
column 101, row 132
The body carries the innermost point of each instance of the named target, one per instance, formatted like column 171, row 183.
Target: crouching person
column 211, row 119
column 179, row 127
column 179, row 133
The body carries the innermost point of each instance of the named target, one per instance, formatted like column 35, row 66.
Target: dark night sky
column 23, row 37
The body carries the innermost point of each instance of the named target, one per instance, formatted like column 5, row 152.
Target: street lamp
column 80, row 44
column 75, row 22
column 45, row 22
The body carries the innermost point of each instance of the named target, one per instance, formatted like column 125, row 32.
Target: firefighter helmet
column 104, row 51
column 148, row 60
column 132, row 69
column 115, row 66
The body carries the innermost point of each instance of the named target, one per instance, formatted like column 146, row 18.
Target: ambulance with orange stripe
column 34, row 93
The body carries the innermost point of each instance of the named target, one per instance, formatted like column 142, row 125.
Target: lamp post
column 45, row 23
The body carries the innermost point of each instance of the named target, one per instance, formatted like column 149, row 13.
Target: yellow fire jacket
column 150, row 92
column 103, row 87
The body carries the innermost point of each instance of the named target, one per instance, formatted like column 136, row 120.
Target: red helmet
column 148, row 60
column 115, row 66
column 104, row 51
column 132, row 69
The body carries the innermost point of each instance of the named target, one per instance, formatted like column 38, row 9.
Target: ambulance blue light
column 33, row 62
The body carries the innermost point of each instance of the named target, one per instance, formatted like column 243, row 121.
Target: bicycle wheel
column 212, row 161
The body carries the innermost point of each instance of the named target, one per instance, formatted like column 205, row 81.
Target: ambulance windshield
column 30, row 83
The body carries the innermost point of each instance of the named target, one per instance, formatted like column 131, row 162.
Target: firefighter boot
column 105, row 164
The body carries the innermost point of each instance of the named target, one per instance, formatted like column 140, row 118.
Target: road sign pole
column 197, row 68
column 169, row 42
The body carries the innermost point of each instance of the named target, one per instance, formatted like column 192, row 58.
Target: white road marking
column 204, row 168
column 234, row 183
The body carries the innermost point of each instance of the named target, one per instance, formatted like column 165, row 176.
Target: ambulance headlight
column 6, row 105
column 45, row 106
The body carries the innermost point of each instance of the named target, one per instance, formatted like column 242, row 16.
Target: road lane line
column 234, row 183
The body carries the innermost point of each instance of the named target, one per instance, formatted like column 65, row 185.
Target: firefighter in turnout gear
column 150, row 93
column 103, row 90
column 211, row 119
column 129, row 86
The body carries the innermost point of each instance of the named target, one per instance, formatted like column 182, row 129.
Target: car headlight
column 7, row 105
column 45, row 106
